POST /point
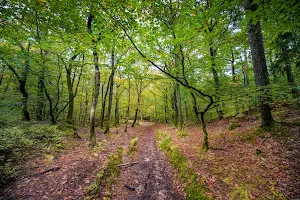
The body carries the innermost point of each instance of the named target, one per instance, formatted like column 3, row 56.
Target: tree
column 259, row 65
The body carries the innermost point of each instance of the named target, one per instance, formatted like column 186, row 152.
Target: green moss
column 240, row 193
column 106, row 176
column 233, row 126
column 194, row 187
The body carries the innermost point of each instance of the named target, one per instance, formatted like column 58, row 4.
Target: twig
column 127, row 164
column 261, row 143
column 47, row 170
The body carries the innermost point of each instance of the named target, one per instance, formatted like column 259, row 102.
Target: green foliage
column 276, row 195
column 132, row 146
column 106, row 176
column 18, row 143
column 194, row 187
column 182, row 133
column 277, row 131
column 233, row 126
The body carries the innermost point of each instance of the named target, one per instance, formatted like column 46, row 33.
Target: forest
column 153, row 99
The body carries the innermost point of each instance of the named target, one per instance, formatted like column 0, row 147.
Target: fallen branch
column 129, row 187
column 127, row 164
column 47, row 170
column 261, row 143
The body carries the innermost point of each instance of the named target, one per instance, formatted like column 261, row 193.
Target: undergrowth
column 132, row 146
column 18, row 143
column 194, row 187
column 106, row 177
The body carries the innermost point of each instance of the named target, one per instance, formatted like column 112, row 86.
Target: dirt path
column 76, row 167
column 153, row 177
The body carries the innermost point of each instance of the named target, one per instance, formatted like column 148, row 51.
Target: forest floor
column 243, row 163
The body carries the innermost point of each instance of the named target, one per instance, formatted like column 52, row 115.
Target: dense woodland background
column 104, row 63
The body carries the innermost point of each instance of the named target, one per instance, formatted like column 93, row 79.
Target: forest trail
column 153, row 177
column 71, row 171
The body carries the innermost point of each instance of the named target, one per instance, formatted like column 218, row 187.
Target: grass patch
column 182, row 133
column 277, row 131
column 132, row 146
column 194, row 187
column 240, row 193
column 106, row 177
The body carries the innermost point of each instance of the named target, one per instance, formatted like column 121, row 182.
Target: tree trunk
column 128, row 105
column 287, row 65
column 86, row 106
column 245, row 70
column 175, row 105
column 233, row 68
column 166, row 106
column 94, row 104
column 179, row 108
column 117, row 115
column 40, row 92
column 137, row 109
column 111, row 92
column 70, row 93
column 26, row 116
column 217, row 82
column 104, row 105
column 259, row 66
column 92, row 141
column 205, row 136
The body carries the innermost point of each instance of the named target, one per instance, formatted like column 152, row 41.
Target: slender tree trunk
column 111, row 92
column 246, row 67
column 53, row 120
column 86, row 106
column 185, row 108
column 137, row 108
column 233, row 68
column 40, row 92
column 217, row 81
column 179, row 108
column 287, row 67
column 1, row 76
column 70, row 94
column 260, row 66
column 128, row 104
column 96, row 86
column 104, row 105
column 175, row 105
column 117, row 115
column 166, row 105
